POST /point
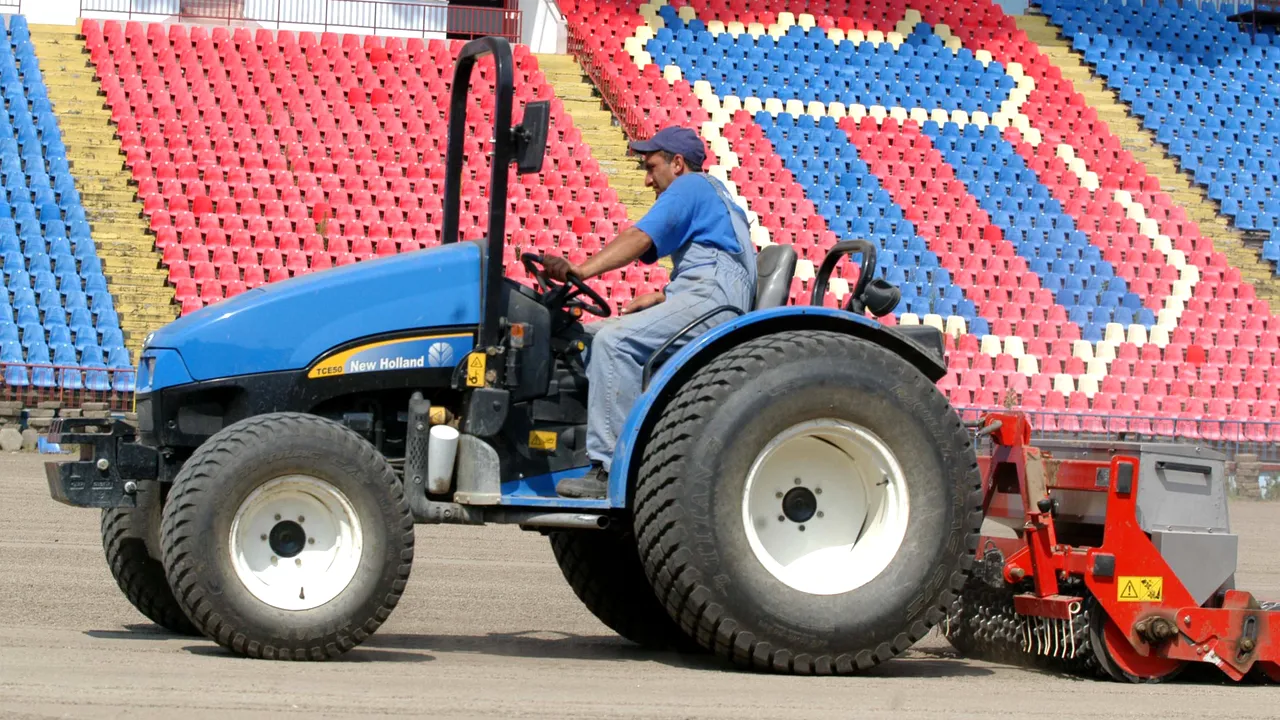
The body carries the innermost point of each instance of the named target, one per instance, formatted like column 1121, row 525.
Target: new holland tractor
column 791, row 492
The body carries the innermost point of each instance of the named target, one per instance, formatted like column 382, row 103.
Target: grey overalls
column 703, row 277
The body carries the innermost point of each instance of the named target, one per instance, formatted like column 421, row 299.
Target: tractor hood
column 287, row 324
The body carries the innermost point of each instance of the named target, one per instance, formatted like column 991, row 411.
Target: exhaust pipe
column 448, row 513
column 575, row 521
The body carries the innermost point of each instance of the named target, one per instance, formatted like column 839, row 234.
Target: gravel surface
column 490, row 628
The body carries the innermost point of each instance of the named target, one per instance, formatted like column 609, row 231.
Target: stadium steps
column 608, row 142
column 1241, row 251
column 144, row 298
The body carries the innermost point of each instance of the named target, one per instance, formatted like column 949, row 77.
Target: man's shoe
column 595, row 484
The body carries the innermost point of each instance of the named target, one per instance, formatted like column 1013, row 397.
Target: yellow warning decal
column 542, row 440
column 476, row 363
column 1140, row 589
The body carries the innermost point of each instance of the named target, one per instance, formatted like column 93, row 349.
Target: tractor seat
column 775, row 266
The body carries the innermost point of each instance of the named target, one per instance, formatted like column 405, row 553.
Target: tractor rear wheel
column 808, row 502
column 129, row 539
column 288, row 536
column 603, row 568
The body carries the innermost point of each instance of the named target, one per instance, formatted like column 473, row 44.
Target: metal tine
column 1069, row 641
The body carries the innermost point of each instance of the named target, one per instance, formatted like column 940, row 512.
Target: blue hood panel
column 287, row 324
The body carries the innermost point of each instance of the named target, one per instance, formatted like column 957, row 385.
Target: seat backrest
column 775, row 266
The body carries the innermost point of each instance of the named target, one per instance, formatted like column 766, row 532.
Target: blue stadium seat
column 1205, row 85
column 806, row 65
column 51, row 269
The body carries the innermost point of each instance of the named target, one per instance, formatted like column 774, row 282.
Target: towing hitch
column 110, row 465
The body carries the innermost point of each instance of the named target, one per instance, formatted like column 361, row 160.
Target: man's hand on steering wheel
column 545, row 268
column 558, row 268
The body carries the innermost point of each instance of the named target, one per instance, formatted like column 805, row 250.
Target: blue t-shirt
column 689, row 210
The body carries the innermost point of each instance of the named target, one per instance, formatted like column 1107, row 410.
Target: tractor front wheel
column 808, row 502
column 288, row 536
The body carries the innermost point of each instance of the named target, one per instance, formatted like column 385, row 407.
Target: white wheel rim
column 296, row 542
column 825, row 507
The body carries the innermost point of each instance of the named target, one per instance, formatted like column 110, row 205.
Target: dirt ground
column 490, row 628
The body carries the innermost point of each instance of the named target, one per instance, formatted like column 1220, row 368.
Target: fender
column 711, row 343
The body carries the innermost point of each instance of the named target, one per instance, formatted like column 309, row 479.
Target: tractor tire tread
column 141, row 577
column 614, row 588
column 196, row 478
column 664, row 550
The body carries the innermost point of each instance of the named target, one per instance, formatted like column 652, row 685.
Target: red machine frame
column 1153, row 624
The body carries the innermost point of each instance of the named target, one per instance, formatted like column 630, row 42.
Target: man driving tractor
column 695, row 221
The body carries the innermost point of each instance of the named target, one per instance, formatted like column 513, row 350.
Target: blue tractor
column 791, row 492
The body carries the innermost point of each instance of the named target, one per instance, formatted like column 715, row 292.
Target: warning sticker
column 1140, row 589
column 542, row 440
column 475, row 369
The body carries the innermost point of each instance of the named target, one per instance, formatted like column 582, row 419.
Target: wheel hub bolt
column 277, row 517
column 819, row 513
column 801, row 528
column 311, row 541
column 297, row 561
column 274, row 559
column 301, row 519
column 264, row 537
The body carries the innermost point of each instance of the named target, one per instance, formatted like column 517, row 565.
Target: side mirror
column 531, row 137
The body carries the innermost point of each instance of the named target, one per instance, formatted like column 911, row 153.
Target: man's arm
column 660, row 232
column 624, row 250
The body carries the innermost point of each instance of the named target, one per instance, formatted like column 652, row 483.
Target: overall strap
column 745, row 255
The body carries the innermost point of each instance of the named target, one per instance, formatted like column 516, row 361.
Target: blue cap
column 677, row 140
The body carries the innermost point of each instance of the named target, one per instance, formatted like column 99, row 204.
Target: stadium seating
column 1006, row 210
column 58, row 327
column 261, row 156
column 1205, row 86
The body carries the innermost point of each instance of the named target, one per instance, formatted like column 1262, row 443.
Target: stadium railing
column 376, row 17
column 47, row 382
column 1232, row 436
column 612, row 90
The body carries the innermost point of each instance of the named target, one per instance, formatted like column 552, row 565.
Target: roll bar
column 525, row 144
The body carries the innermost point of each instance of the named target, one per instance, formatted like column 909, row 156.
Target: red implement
column 1144, row 624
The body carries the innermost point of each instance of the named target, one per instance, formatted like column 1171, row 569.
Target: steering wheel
column 557, row 294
